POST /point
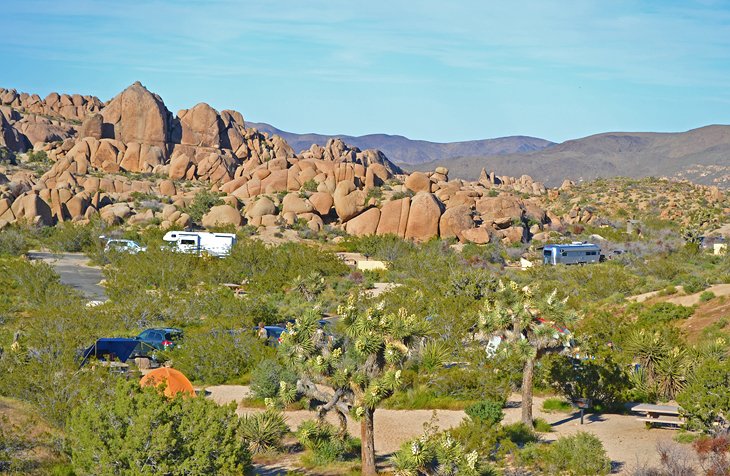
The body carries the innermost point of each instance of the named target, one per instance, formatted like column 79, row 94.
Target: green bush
column 707, row 296
column 7, row 155
column 579, row 455
column 219, row 356
column 201, row 204
column 128, row 431
column 310, row 186
column 267, row 376
column 323, row 443
column 541, row 425
column 13, row 243
column 486, row 411
column 264, row 431
column 663, row 313
column 556, row 405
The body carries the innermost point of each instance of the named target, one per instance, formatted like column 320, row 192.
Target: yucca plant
column 264, row 431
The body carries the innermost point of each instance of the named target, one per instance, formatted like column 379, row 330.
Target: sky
column 433, row 70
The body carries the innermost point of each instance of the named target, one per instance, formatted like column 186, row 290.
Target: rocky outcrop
column 136, row 115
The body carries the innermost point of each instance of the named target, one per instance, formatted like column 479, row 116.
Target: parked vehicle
column 201, row 242
column 116, row 349
column 273, row 334
column 163, row 338
column 123, row 246
column 574, row 253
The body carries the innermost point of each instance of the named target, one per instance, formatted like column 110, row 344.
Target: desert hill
column 701, row 155
column 403, row 150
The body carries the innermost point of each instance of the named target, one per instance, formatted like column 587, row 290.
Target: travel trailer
column 574, row 253
column 200, row 242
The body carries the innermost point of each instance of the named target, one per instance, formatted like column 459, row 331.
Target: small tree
column 140, row 431
column 531, row 326
column 362, row 370
column 706, row 398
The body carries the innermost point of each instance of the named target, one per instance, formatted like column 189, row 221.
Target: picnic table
column 238, row 289
column 659, row 414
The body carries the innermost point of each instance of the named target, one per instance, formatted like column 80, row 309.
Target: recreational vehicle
column 574, row 253
column 200, row 243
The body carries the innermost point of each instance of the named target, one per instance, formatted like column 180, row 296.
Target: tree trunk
column 527, row 374
column 367, row 435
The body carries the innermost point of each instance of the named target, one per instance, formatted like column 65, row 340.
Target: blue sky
column 433, row 70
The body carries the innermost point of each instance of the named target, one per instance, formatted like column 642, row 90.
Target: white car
column 124, row 246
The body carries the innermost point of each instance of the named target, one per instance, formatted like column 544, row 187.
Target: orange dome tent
column 176, row 381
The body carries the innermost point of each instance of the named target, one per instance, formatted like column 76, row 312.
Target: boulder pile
column 262, row 181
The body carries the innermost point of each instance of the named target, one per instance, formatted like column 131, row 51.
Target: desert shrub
column 581, row 454
column 662, row 313
column 693, row 284
column 126, row 432
column 556, row 405
column 310, row 185
column 323, row 443
column 399, row 195
column 220, row 355
column 264, row 431
column 267, row 376
column 541, row 425
column 707, row 296
column 600, row 379
column 201, row 204
column 7, row 155
column 13, row 243
column 72, row 238
column 706, row 397
column 38, row 157
column 437, row 452
column 486, row 411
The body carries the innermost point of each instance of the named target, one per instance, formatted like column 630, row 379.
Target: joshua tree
column 362, row 369
column 530, row 325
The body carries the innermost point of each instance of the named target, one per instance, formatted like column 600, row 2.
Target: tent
column 116, row 348
column 175, row 380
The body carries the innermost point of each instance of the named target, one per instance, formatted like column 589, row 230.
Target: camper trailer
column 574, row 253
column 200, row 243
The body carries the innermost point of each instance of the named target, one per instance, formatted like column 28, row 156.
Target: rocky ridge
column 133, row 146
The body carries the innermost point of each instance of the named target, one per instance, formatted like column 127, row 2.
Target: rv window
column 547, row 252
column 564, row 253
column 187, row 242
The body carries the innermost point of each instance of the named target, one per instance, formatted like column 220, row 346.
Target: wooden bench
column 659, row 414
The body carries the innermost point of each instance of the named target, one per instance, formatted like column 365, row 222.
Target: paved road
column 74, row 272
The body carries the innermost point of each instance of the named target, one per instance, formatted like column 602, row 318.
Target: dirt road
column 74, row 272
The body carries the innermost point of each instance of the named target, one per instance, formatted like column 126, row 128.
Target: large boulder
column 222, row 215
column 30, row 207
column 365, row 223
column 11, row 138
column 322, row 202
column 394, row 217
column 418, row 182
column 199, row 126
column 293, row 203
column 423, row 218
column 348, row 200
column 455, row 221
column 92, row 126
column 136, row 115
column 262, row 206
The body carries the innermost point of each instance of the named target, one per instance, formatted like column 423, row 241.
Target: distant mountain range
column 406, row 151
column 701, row 155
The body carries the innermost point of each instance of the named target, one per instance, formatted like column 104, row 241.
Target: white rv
column 200, row 242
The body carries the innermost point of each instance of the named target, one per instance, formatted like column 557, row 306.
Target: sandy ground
column 627, row 442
